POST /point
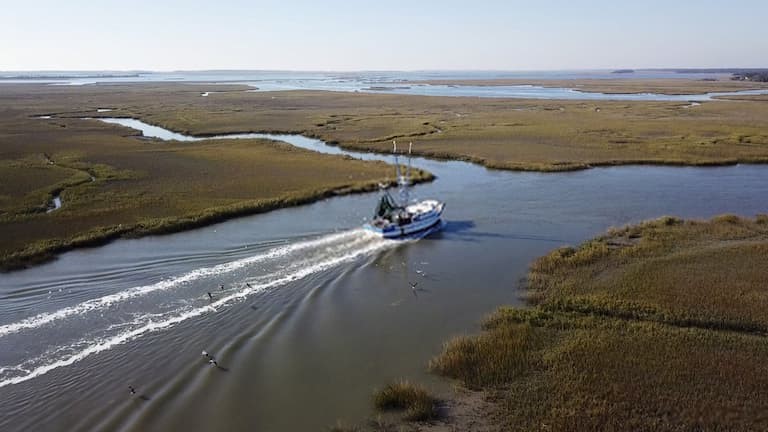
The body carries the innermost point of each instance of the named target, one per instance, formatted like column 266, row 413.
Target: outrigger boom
column 394, row 219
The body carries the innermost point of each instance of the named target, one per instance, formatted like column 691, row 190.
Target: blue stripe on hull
column 394, row 231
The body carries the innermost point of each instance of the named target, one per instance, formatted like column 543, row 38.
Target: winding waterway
column 315, row 312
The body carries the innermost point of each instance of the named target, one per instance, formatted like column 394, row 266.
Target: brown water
column 329, row 314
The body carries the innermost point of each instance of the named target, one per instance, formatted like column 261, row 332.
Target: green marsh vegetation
column 762, row 97
column 115, row 185
column 414, row 400
column 515, row 134
column 147, row 186
column 658, row 326
column 566, row 135
column 401, row 406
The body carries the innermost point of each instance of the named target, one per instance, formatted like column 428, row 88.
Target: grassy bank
column 138, row 183
column 413, row 400
column 114, row 185
column 514, row 134
column 40, row 251
column 658, row 326
column 511, row 134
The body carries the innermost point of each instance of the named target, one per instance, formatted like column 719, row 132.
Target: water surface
column 315, row 312
column 388, row 82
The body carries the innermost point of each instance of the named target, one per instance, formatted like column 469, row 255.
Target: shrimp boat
column 399, row 218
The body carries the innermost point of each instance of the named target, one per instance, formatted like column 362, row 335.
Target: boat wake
column 72, row 333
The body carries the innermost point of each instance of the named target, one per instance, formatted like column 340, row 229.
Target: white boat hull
column 421, row 221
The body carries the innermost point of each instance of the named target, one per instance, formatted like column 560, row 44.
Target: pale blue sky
column 382, row 35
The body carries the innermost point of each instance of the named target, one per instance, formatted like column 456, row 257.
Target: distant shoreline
column 43, row 77
column 666, row 86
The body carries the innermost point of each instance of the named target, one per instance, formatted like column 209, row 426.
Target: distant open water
column 385, row 82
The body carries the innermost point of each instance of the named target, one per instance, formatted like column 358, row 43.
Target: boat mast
column 397, row 164
column 408, row 172
column 403, row 181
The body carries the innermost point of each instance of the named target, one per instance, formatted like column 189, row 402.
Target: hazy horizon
column 145, row 70
column 336, row 37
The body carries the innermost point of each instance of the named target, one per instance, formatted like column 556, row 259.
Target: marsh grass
column 516, row 134
column 44, row 250
column 341, row 427
column 491, row 358
column 41, row 182
column 413, row 399
column 657, row 326
column 114, row 185
column 151, row 183
column 707, row 274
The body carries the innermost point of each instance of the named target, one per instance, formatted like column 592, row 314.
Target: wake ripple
column 280, row 266
column 109, row 300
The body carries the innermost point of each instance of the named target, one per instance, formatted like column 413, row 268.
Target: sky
column 332, row 35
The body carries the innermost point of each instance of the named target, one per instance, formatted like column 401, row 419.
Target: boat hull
column 422, row 223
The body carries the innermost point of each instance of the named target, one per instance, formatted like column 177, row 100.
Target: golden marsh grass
column 658, row 326
column 414, row 400
column 115, row 185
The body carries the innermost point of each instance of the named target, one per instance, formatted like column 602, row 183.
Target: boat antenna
column 403, row 180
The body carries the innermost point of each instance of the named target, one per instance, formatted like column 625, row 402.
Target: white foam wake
column 109, row 300
column 102, row 344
